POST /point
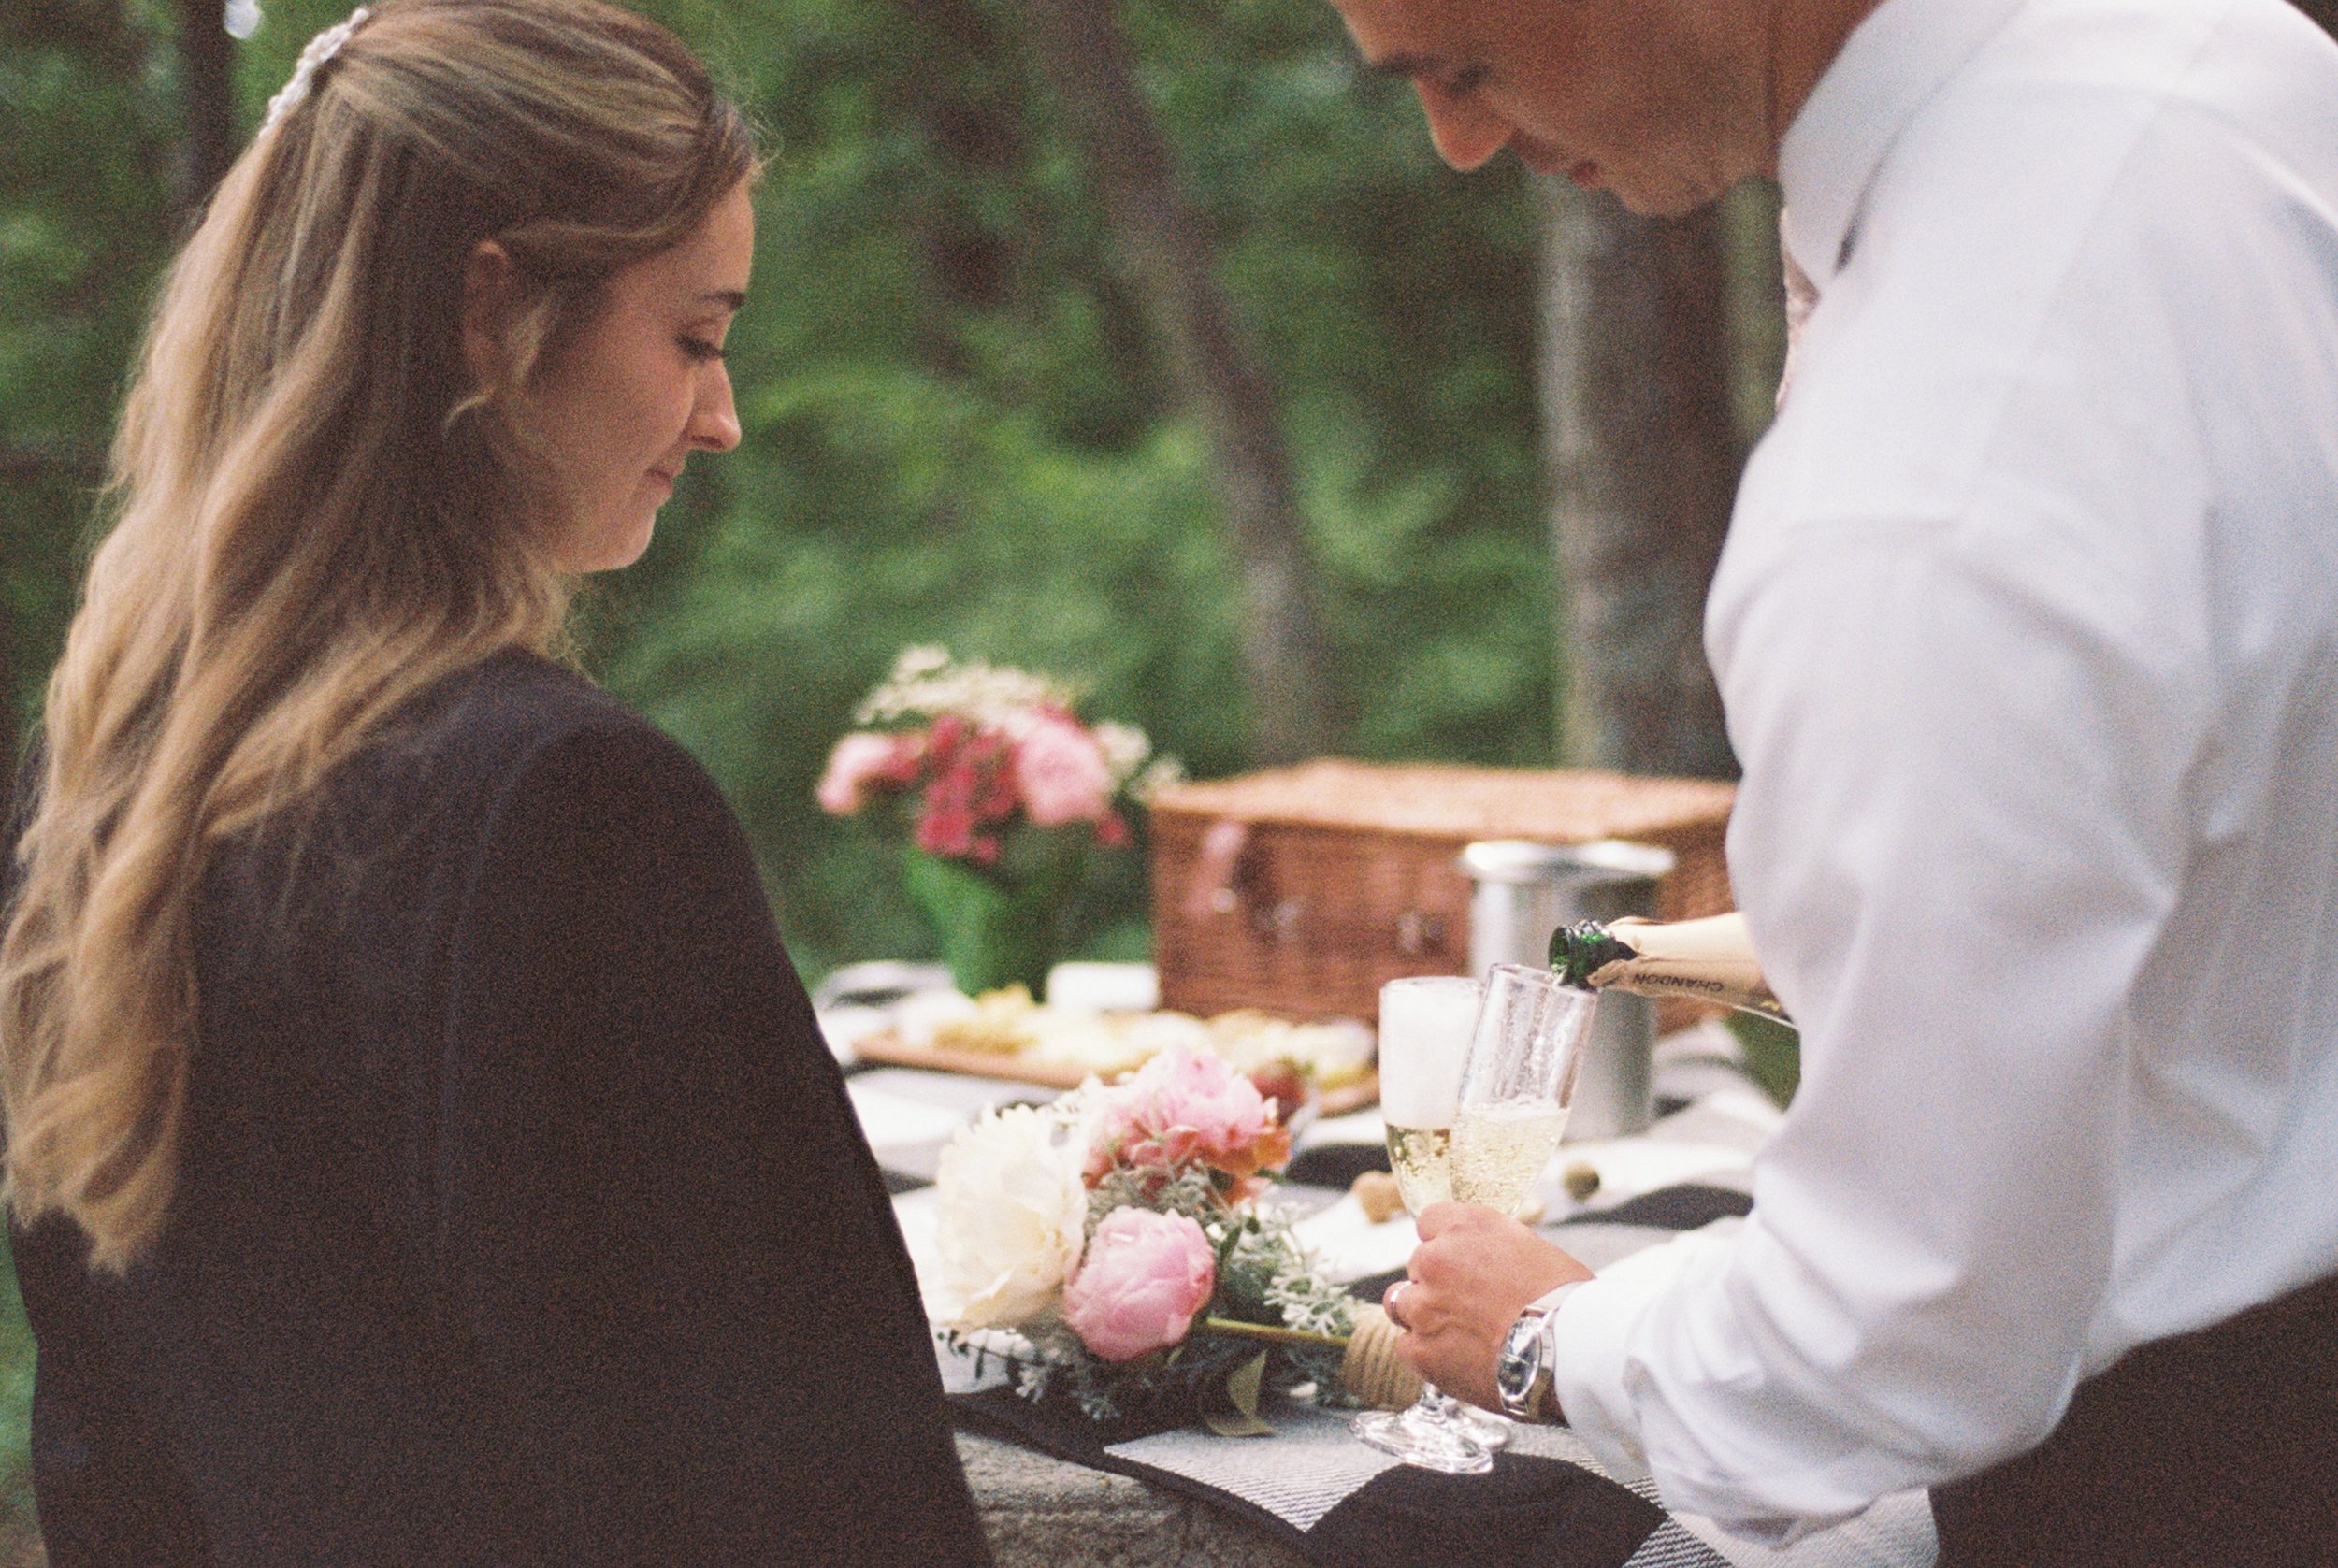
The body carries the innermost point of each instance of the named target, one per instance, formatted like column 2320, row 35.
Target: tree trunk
column 1644, row 457
column 209, row 103
column 1079, row 51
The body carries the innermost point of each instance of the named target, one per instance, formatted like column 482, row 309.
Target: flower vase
column 996, row 928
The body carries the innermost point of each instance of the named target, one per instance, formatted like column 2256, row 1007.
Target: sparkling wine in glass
column 1425, row 1027
column 1516, row 1090
column 1518, row 1085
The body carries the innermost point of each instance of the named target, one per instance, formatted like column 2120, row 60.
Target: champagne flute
column 1518, row 1085
column 1474, row 1113
column 1434, row 1018
column 1425, row 1027
column 1515, row 1092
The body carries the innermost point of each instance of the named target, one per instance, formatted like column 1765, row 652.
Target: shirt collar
column 1891, row 65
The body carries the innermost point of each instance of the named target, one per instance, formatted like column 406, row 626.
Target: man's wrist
column 1524, row 1368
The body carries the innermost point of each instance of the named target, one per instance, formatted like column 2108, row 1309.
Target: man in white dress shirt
column 2027, row 634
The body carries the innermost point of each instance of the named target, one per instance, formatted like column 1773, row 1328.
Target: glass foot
column 1484, row 1425
column 1424, row 1436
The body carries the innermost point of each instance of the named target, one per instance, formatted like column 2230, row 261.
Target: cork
column 1378, row 1195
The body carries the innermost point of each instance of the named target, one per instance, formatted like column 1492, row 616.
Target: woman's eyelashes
column 700, row 349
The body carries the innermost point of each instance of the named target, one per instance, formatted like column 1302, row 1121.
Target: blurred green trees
column 959, row 426
column 88, row 91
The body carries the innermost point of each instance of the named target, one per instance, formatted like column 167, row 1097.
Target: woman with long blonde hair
column 420, row 1149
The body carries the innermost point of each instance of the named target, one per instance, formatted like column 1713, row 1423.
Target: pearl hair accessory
column 320, row 49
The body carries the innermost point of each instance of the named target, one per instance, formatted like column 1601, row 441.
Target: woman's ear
column 489, row 296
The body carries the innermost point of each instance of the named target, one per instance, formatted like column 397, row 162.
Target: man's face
column 1664, row 102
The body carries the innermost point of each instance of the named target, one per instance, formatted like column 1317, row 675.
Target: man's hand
column 1474, row 1272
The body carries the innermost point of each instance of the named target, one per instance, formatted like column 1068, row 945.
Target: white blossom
column 926, row 683
column 1011, row 1214
column 1125, row 749
column 1163, row 772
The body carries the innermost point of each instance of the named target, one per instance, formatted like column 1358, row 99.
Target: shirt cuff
column 1591, row 1329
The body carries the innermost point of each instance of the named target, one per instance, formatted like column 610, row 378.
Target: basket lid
column 1448, row 800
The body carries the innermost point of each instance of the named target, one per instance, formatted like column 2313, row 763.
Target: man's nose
column 1464, row 131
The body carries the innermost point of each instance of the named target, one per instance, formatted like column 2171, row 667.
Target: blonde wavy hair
column 319, row 507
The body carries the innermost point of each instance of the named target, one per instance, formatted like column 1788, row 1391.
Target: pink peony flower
column 861, row 759
column 1185, row 1106
column 1143, row 1277
column 1062, row 773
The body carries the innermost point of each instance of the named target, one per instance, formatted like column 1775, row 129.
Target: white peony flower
column 1010, row 1212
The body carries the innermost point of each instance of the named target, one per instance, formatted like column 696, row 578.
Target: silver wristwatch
column 1521, row 1373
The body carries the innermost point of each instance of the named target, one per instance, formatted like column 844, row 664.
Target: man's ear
column 489, row 294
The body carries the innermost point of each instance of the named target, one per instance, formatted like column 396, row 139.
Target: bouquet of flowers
column 987, row 751
column 1005, row 790
column 1118, row 1234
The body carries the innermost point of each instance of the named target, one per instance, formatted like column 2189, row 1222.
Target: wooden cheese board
column 1020, row 1068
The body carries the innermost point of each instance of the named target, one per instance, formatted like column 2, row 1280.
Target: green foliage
column 959, row 432
column 85, row 219
column 997, row 929
column 1773, row 1053
column 1272, row 1322
column 958, row 428
column 16, row 1405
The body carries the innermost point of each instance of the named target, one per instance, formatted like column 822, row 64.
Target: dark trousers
column 2216, row 1448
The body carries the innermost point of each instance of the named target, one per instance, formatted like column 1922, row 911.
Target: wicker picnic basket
column 1302, row 889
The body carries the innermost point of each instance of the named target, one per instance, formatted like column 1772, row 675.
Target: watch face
column 1514, row 1374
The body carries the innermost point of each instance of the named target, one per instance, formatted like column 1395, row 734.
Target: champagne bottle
column 1710, row 959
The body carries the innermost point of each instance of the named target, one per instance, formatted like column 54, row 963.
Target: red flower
column 948, row 733
column 947, row 824
column 942, row 833
column 1281, row 1083
column 996, row 801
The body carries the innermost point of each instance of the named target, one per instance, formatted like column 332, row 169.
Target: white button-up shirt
column 2028, row 632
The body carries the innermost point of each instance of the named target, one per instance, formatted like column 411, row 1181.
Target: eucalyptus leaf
column 1232, row 1423
column 1242, row 1395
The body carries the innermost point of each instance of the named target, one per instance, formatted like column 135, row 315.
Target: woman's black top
column 521, row 1215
